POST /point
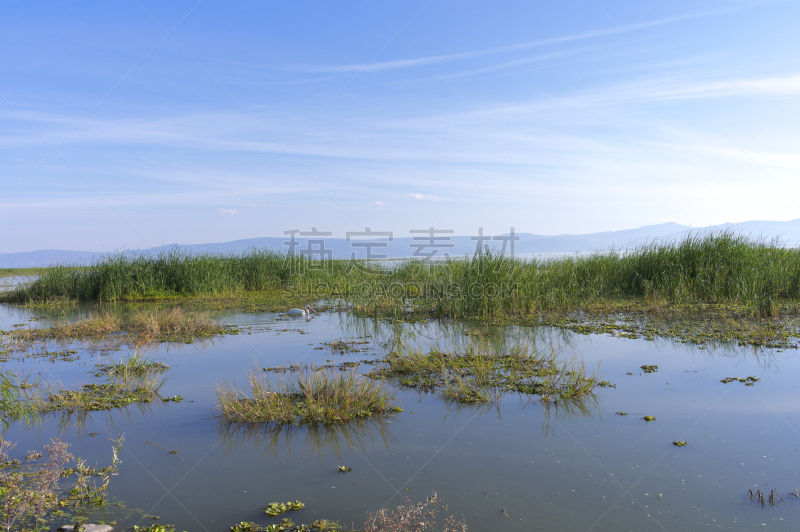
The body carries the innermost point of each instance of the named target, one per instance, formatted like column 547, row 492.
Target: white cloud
column 228, row 212
column 379, row 203
column 429, row 197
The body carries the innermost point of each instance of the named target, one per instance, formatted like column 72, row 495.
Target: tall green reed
column 720, row 267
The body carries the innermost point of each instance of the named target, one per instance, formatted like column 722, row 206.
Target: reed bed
column 715, row 268
column 142, row 326
column 325, row 397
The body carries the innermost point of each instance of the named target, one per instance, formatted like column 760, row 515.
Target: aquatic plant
column 479, row 371
column 308, row 397
column 704, row 267
column 25, row 498
column 155, row 527
column 135, row 365
column 94, row 397
column 141, row 326
column 28, row 491
column 277, row 508
column 748, row 381
column 762, row 497
column 13, row 406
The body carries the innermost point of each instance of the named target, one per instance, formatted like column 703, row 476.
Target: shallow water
column 555, row 468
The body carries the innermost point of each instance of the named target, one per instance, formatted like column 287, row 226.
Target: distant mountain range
column 456, row 246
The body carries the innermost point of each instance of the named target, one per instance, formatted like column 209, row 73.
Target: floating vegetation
column 95, row 397
column 174, row 399
column 649, row 369
column 246, row 526
column 698, row 324
column 309, row 398
column 479, row 372
column 342, row 346
column 748, row 381
column 649, row 418
column 277, row 508
column 343, row 469
column 286, row 525
column 679, row 443
column 312, row 367
column 156, row 527
column 65, row 355
column 621, row 413
column 763, row 497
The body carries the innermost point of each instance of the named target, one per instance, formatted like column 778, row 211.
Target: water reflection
column 568, row 412
column 75, row 422
column 273, row 441
column 442, row 334
column 561, row 412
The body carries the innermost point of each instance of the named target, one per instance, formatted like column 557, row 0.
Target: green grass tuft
column 308, row 398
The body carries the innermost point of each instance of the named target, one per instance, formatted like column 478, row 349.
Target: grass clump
column 135, row 365
column 307, row 398
column 479, row 372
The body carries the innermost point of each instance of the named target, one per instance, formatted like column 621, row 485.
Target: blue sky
column 133, row 124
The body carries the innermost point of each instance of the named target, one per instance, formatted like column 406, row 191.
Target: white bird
column 301, row 312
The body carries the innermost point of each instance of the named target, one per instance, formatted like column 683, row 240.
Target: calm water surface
column 559, row 469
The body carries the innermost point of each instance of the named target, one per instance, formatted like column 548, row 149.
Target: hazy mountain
column 787, row 232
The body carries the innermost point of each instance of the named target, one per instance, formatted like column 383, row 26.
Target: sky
column 133, row 124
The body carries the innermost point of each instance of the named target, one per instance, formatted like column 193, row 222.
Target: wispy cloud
column 228, row 212
column 429, row 197
column 442, row 58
